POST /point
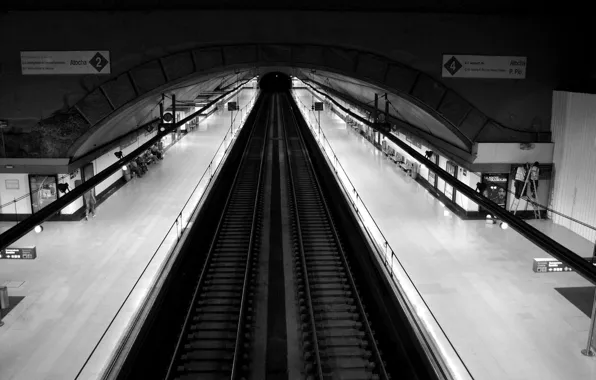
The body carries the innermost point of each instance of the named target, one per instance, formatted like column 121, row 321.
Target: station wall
column 574, row 134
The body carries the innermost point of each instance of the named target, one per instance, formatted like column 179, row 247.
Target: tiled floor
column 505, row 321
column 85, row 270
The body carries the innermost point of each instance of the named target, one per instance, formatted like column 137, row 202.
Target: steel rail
column 381, row 365
column 213, row 244
column 303, row 261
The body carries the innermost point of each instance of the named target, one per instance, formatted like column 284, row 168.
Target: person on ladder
column 534, row 175
column 520, row 179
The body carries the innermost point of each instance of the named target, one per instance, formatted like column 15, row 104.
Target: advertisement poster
column 496, row 186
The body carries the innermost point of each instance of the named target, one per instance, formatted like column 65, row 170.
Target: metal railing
column 171, row 239
column 397, row 272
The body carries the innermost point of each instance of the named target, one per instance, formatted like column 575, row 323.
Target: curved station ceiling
column 418, row 103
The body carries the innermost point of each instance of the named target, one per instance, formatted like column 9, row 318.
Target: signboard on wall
column 483, row 66
column 91, row 62
column 496, row 187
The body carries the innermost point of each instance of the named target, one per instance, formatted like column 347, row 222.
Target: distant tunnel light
column 118, row 155
column 38, row 229
column 504, row 225
column 125, row 168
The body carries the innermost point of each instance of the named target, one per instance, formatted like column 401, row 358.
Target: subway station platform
column 504, row 320
column 84, row 271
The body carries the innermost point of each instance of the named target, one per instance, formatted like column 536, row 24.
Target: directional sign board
column 481, row 66
column 91, row 62
column 25, row 253
column 233, row 106
column 318, row 106
column 550, row 265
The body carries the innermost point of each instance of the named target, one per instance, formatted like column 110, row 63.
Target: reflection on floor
column 505, row 321
column 582, row 297
column 13, row 301
column 85, row 270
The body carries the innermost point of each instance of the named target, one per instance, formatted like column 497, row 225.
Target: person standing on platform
column 90, row 203
column 520, row 178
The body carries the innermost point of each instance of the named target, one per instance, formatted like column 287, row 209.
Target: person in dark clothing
column 134, row 168
column 156, row 152
column 482, row 188
column 141, row 164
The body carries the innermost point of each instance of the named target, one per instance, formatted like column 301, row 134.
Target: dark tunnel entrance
column 275, row 82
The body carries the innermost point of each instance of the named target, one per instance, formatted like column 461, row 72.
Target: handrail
column 178, row 222
column 303, row 266
column 385, row 244
column 575, row 261
column 205, row 268
column 26, row 225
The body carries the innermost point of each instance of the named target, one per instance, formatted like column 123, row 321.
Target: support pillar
column 590, row 349
column 375, row 112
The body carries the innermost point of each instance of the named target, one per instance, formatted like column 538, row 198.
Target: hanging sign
column 548, row 265
column 482, row 66
column 65, row 62
column 26, row 253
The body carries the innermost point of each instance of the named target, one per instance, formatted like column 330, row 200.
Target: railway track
column 338, row 339
column 213, row 342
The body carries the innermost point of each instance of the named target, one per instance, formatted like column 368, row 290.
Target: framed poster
column 12, row 184
column 432, row 177
column 496, row 187
column 43, row 191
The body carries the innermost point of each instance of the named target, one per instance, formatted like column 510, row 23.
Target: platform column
column 591, row 345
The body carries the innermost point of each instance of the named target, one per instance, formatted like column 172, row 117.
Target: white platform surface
column 84, row 270
column 505, row 321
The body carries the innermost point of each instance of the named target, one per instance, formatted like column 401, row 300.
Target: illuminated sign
column 25, row 253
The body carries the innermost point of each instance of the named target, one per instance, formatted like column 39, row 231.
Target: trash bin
column 126, row 173
column 414, row 171
column 4, row 302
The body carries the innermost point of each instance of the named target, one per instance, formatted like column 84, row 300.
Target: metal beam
column 578, row 263
column 22, row 228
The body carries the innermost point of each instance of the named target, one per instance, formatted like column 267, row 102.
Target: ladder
column 531, row 200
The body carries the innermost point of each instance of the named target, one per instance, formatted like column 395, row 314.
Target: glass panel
column 451, row 169
column 43, row 191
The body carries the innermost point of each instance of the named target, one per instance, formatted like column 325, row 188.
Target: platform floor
column 84, row 270
column 505, row 321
